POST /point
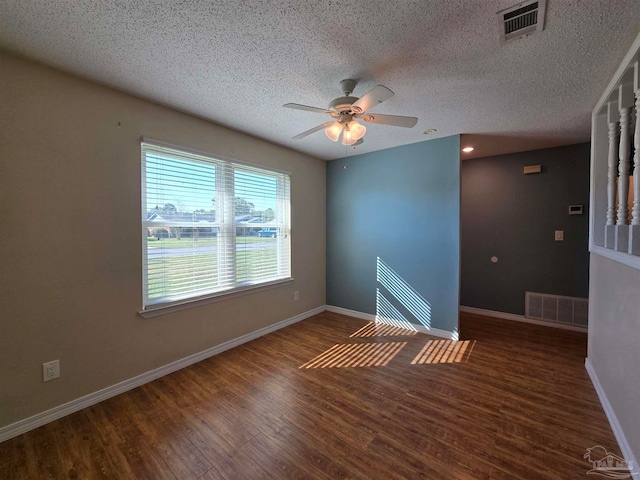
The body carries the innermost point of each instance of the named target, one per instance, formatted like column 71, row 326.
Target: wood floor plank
column 273, row 459
column 517, row 405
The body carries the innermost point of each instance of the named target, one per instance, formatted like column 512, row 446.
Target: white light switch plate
column 559, row 235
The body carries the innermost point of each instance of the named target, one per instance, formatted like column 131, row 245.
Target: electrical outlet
column 559, row 235
column 50, row 370
column 296, row 297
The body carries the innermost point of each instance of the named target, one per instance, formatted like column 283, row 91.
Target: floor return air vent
column 557, row 309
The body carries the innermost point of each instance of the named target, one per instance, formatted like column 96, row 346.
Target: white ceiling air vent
column 521, row 20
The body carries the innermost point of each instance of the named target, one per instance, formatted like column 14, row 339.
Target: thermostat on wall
column 575, row 209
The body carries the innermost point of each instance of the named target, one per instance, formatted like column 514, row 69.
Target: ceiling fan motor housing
column 342, row 104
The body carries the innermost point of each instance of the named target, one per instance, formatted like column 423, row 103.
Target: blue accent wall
column 393, row 233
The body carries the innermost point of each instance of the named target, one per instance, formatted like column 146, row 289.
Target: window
column 210, row 226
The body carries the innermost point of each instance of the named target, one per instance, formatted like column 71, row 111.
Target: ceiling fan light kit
column 346, row 109
column 357, row 130
column 351, row 131
column 333, row 132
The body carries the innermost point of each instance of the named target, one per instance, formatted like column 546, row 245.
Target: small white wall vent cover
column 521, row 20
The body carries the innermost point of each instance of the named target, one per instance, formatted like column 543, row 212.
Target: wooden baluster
column 613, row 117
column 623, row 168
column 634, row 233
column 625, row 102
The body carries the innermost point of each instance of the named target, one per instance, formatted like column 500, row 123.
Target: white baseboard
column 375, row 318
column 23, row 426
column 611, row 416
column 520, row 318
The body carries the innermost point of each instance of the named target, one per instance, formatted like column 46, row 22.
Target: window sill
column 154, row 311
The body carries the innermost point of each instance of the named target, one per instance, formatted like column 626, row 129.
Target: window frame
column 227, row 227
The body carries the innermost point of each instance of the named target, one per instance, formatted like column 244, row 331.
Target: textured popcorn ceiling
column 237, row 62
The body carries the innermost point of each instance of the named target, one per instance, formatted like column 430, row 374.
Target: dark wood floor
column 333, row 397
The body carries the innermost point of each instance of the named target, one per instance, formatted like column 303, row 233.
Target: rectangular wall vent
column 557, row 309
column 521, row 20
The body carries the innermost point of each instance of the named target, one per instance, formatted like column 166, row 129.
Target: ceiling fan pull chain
column 346, row 157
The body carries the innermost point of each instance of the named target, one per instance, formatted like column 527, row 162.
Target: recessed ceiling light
column 430, row 130
column 467, row 149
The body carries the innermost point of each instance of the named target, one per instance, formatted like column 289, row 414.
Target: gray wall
column 614, row 337
column 513, row 216
column 393, row 233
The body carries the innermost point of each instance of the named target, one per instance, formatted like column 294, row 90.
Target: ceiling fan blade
column 313, row 130
column 395, row 120
column 306, row 108
column 376, row 95
column 359, row 142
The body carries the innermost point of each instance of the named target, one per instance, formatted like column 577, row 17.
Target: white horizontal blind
column 210, row 225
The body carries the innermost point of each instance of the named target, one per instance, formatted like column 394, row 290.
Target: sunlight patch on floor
column 356, row 355
column 444, row 351
column 378, row 329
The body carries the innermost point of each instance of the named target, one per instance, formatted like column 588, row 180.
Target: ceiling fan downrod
column 347, row 86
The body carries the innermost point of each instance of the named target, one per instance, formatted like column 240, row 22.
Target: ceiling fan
column 346, row 109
